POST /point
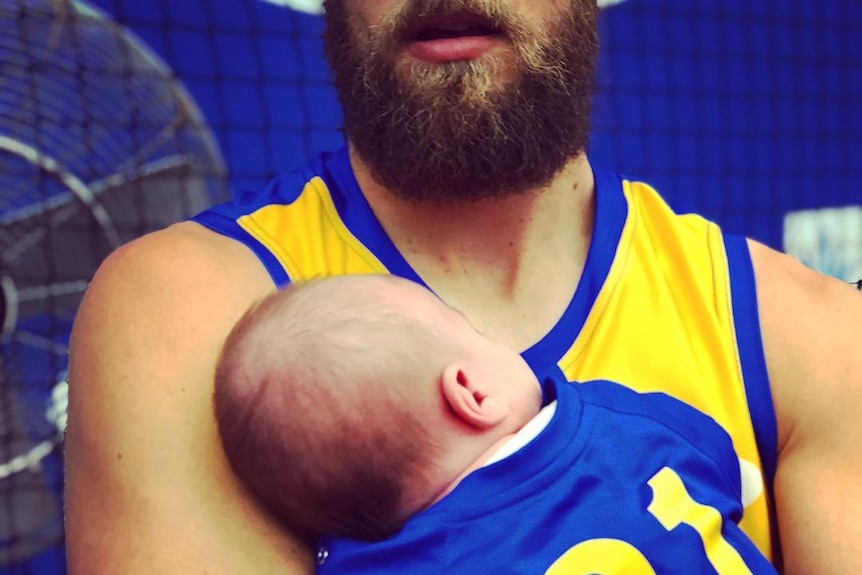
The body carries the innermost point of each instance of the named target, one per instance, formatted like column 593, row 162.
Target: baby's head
column 347, row 404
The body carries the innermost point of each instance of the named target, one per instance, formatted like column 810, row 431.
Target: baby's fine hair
column 317, row 410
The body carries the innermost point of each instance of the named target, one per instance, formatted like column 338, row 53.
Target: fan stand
column 29, row 507
column 99, row 144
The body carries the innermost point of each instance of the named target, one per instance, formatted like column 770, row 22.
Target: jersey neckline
column 610, row 218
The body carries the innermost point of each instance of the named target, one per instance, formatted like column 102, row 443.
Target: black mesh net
column 120, row 116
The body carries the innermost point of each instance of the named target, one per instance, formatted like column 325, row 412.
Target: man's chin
column 480, row 79
column 465, row 121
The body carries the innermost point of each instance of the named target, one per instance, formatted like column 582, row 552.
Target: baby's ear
column 474, row 403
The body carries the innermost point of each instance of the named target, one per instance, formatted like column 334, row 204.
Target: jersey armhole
column 751, row 355
column 228, row 227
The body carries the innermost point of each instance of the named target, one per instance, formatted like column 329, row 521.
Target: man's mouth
column 454, row 26
column 454, row 37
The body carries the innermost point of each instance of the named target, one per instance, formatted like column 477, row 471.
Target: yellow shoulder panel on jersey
column 667, row 302
column 309, row 238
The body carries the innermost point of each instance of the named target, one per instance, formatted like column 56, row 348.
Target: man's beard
column 459, row 132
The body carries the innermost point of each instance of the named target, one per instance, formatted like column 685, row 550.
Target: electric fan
column 99, row 143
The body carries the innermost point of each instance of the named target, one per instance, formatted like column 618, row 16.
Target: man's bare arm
column 148, row 489
column 812, row 327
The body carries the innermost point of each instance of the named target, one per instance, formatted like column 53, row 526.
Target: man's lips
column 452, row 38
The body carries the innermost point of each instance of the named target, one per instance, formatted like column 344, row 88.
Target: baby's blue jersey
column 618, row 482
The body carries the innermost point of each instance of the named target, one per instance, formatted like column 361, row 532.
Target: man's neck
column 493, row 259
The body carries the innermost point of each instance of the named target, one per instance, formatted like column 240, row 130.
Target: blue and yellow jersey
column 665, row 303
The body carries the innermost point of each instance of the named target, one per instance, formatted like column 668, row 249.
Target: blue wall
column 740, row 110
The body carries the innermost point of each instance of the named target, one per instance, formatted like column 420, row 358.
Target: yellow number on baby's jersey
column 672, row 506
column 601, row 557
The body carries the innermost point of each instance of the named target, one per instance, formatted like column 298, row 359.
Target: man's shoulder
column 183, row 267
column 810, row 324
column 179, row 251
column 143, row 347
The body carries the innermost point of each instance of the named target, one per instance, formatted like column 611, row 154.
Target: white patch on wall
column 316, row 6
column 307, row 6
column 606, row 3
column 828, row 240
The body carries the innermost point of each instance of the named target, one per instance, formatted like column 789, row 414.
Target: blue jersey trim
column 750, row 345
column 611, row 215
column 228, row 227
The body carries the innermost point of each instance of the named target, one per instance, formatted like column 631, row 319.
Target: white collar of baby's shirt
column 526, row 434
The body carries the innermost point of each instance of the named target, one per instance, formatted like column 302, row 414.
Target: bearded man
column 466, row 171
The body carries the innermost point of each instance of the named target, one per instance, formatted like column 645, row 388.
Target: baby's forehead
column 363, row 296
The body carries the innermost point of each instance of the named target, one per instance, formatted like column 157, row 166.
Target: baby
column 367, row 398
column 364, row 412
